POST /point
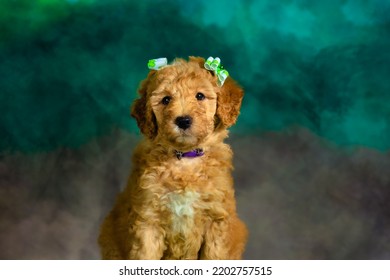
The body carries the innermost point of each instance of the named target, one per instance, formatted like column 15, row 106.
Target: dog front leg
column 147, row 243
column 215, row 246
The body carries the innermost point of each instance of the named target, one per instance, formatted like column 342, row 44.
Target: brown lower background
column 301, row 197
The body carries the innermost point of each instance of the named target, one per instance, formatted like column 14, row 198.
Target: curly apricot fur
column 171, row 208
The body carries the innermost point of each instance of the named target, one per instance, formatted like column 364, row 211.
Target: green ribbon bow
column 157, row 63
column 214, row 64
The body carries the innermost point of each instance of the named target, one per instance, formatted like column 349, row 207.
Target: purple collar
column 190, row 154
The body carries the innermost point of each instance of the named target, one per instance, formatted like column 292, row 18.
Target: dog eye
column 200, row 96
column 166, row 100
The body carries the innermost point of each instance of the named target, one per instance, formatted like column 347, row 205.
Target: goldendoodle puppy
column 179, row 202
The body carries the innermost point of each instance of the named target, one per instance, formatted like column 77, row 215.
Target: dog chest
column 182, row 210
column 184, row 230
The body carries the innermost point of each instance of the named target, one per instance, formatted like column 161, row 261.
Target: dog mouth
column 184, row 132
column 183, row 137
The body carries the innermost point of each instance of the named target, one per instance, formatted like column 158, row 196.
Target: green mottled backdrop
column 311, row 144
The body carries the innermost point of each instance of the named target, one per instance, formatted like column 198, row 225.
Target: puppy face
column 182, row 104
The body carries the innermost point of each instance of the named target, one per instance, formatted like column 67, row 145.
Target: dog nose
column 183, row 122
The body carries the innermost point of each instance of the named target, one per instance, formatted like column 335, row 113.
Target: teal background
column 70, row 69
column 312, row 143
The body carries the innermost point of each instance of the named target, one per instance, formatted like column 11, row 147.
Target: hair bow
column 157, row 63
column 214, row 64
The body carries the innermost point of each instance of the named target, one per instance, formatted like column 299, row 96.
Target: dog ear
column 141, row 109
column 229, row 102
